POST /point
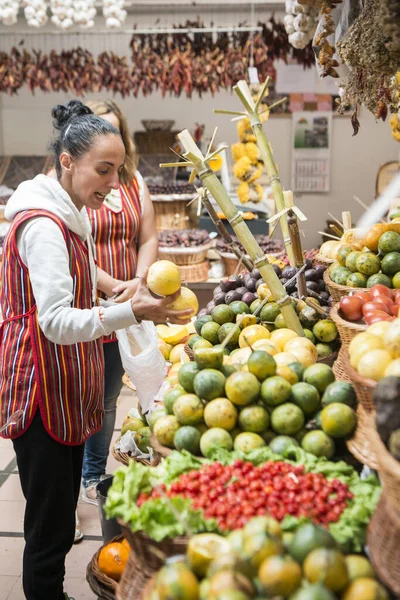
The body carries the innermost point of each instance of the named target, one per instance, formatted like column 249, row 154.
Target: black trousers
column 50, row 475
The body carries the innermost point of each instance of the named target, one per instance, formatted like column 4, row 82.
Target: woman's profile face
column 96, row 173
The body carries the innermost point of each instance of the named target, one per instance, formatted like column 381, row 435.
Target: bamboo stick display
column 193, row 157
column 252, row 113
column 225, row 233
column 294, row 233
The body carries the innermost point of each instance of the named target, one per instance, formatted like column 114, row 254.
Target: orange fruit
column 113, row 558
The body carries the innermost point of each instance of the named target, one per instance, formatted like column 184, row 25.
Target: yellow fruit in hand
column 178, row 354
column 374, row 363
column 301, row 342
column 186, row 300
column 280, row 337
column 283, row 359
column 163, row 278
column 251, row 334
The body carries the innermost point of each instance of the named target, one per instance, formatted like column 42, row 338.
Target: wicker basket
column 330, row 359
column 338, row 291
column 389, row 470
column 171, row 214
column 101, row 584
column 133, row 581
column 347, row 330
column 148, row 589
column 160, row 450
column 363, row 443
column 339, row 367
column 150, row 555
column 194, row 273
column 185, row 256
column 125, row 458
column 383, row 544
column 230, row 261
column 364, row 387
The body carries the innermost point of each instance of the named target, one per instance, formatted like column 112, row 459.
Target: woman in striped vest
column 51, row 355
column 125, row 235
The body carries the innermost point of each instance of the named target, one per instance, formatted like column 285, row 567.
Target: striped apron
column 65, row 382
column 116, row 236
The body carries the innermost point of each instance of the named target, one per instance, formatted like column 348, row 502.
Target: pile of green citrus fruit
column 246, row 405
column 365, row 268
column 260, row 561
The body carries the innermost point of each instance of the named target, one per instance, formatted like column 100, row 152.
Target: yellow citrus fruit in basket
column 186, row 300
column 176, row 580
column 392, row 338
column 203, row 548
column 265, row 345
column 302, row 342
column 163, row 278
column 374, row 363
column 283, row 359
column 280, row 337
column 365, row 588
column 393, row 368
column 379, row 329
column 362, row 347
column 251, row 334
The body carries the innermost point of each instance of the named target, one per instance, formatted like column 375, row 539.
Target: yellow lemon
column 251, row 334
column 379, row 329
column 283, row 359
column 358, row 339
column 392, row 338
column 374, row 364
column 280, row 337
column 393, row 368
column 369, row 344
column 178, row 354
column 267, row 346
column 301, row 342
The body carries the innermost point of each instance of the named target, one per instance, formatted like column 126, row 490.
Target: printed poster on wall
column 311, row 154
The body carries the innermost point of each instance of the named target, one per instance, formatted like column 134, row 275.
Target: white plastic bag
column 142, row 360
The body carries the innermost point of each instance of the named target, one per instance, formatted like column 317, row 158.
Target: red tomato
column 377, row 315
column 363, row 295
column 395, row 310
column 386, row 300
column 351, row 307
column 397, row 296
column 375, row 305
column 380, row 290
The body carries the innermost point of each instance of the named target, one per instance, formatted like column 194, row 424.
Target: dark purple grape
column 308, row 263
column 289, row 272
column 232, row 296
column 320, row 270
column 249, row 282
column 221, row 298
column 248, row 298
column 311, row 275
column 217, row 291
column 256, row 274
column 312, row 285
column 277, row 270
column 210, row 306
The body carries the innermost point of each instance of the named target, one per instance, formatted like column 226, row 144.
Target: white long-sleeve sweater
column 42, row 248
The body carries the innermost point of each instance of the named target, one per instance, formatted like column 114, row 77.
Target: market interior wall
column 25, row 129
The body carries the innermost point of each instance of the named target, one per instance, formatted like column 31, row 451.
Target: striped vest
column 116, row 235
column 65, row 382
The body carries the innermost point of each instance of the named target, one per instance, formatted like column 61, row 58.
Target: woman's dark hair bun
column 64, row 113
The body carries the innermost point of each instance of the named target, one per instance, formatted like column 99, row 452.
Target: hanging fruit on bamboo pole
column 200, row 164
